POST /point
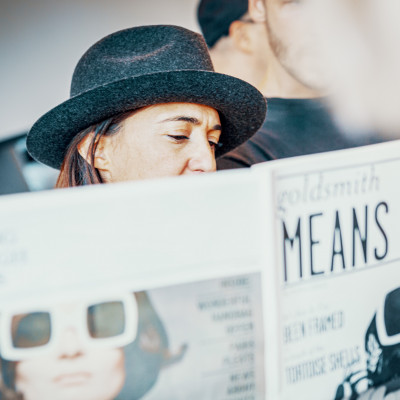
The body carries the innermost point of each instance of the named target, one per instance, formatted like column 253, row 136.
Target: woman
column 82, row 349
column 145, row 103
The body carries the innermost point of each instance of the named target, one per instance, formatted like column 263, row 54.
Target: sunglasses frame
column 384, row 338
column 58, row 324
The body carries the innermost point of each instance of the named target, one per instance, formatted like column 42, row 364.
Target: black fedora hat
column 142, row 66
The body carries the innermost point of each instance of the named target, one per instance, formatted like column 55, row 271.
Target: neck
column 280, row 83
column 228, row 60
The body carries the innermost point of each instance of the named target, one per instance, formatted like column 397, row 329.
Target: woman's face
column 71, row 371
column 159, row 141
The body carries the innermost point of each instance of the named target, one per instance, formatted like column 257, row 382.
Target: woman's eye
column 214, row 145
column 178, row 138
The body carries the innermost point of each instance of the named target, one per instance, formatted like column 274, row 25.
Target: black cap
column 216, row 16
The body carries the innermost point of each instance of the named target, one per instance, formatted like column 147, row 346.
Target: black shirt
column 293, row 127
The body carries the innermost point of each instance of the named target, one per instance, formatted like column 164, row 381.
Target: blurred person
column 237, row 44
column 145, row 103
column 297, row 88
column 361, row 41
column 295, row 68
column 82, row 349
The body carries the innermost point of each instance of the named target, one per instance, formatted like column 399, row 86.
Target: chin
column 310, row 75
column 313, row 80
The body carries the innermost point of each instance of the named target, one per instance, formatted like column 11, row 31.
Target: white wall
column 42, row 40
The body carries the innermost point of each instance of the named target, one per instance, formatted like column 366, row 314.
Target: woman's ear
column 84, row 146
column 257, row 10
column 100, row 160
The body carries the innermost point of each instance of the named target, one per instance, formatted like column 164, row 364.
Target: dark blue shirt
column 294, row 127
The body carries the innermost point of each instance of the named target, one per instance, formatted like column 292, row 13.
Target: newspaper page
column 337, row 272
column 149, row 290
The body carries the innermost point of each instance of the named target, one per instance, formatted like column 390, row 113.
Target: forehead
column 166, row 110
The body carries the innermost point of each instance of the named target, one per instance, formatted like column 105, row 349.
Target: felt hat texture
column 143, row 66
column 216, row 16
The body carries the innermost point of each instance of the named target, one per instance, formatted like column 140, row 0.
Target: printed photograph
column 137, row 345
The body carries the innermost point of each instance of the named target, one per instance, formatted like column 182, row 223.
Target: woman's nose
column 70, row 345
column 202, row 158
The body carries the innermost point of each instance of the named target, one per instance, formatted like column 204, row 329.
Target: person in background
column 296, row 85
column 145, row 103
column 236, row 43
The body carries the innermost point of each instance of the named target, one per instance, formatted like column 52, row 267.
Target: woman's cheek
column 108, row 368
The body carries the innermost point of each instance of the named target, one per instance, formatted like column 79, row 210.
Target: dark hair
column 216, row 16
column 7, row 373
column 75, row 170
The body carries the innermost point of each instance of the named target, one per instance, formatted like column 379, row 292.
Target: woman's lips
column 72, row 379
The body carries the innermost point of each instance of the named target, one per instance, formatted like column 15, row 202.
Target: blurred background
column 40, row 43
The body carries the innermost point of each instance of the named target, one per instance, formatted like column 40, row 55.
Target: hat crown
column 140, row 51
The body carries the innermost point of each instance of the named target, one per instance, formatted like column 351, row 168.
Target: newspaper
column 278, row 282
column 147, row 290
column 337, row 272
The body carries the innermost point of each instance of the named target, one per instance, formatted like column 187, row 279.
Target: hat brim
column 242, row 108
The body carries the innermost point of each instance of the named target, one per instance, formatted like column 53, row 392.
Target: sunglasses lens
column 106, row 320
column 392, row 312
column 30, row 330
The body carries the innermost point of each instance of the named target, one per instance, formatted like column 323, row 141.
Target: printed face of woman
column 71, row 371
column 159, row 141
